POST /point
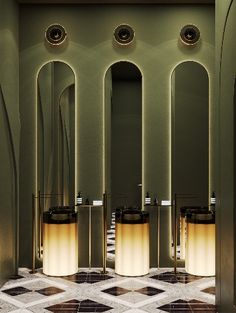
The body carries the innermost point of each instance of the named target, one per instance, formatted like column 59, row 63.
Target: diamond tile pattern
column 15, row 277
column 172, row 278
column 116, row 291
column 183, row 306
column 149, row 291
column 90, row 278
column 211, row 290
column 16, row 291
column 49, row 291
column 73, row 306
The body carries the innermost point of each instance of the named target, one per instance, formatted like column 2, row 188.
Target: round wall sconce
column 190, row 34
column 124, row 34
column 55, row 34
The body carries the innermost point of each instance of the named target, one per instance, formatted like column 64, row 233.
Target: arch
column 118, row 75
column 53, row 78
column 190, row 133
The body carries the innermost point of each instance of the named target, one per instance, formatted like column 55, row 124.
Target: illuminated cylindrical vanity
column 200, row 244
column 60, row 241
column 132, row 242
column 183, row 212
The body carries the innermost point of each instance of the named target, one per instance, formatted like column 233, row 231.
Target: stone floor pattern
column 92, row 291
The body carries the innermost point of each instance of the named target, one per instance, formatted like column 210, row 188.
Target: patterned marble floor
column 91, row 291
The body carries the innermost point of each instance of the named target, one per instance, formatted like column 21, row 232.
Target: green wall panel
column 90, row 51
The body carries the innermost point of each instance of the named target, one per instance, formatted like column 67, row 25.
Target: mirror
column 123, row 137
column 190, row 137
column 56, row 134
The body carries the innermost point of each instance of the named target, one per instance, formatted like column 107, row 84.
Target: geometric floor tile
column 6, row 307
column 15, row 277
column 73, row 306
column 210, row 290
column 149, row 291
column 16, row 291
column 85, row 277
column 183, row 306
column 37, row 293
column 116, row 291
column 179, row 277
column 49, row 291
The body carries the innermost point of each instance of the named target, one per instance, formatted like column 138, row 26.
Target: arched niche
column 56, row 134
column 123, row 135
column 190, row 134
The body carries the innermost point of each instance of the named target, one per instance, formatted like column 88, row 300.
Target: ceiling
column 119, row 1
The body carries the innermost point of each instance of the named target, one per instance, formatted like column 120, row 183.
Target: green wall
column 225, row 151
column 126, row 143
column 90, row 51
column 9, row 138
column 190, row 133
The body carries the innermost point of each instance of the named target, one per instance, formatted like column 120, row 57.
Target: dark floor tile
column 110, row 244
column 149, row 291
column 180, row 277
column 49, row 291
column 183, row 306
column 211, row 290
column 90, row 278
column 16, row 291
column 15, row 277
column 112, row 238
column 74, row 306
column 71, row 306
column 116, row 291
column 111, row 251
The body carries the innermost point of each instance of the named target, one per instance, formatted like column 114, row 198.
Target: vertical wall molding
column 15, row 213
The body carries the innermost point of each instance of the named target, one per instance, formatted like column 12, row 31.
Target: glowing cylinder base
column 60, row 248
column 132, row 248
column 200, row 248
column 182, row 237
column 183, row 212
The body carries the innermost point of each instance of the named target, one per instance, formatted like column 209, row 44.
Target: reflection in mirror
column 56, row 134
column 123, row 119
column 190, row 137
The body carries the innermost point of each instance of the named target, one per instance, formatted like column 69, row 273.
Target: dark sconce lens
column 55, row 34
column 124, row 34
column 190, row 34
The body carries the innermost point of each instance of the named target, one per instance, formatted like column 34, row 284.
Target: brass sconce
column 190, row 35
column 55, row 34
column 124, row 34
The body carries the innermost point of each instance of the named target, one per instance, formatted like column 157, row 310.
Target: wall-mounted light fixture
column 190, row 34
column 132, row 242
column 200, row 244
column 124, row 34
column 60, row 241
column 55, row 34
